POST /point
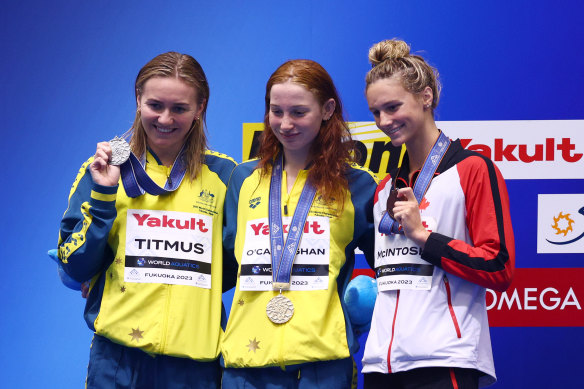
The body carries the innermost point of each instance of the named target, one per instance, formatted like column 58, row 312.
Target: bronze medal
column 391, row 202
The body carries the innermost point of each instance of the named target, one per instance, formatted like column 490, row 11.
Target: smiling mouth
column 394, row 130
column 164, row 130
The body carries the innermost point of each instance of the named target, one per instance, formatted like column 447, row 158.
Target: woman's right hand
column 101, row 172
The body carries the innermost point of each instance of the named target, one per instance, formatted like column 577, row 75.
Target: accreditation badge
column 399, row 265
column 311, row 264
column 168, row 247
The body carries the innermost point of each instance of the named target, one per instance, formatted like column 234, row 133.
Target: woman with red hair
column 294, row 217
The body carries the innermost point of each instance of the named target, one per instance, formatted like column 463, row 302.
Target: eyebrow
column 153, row 100
column 293, row 107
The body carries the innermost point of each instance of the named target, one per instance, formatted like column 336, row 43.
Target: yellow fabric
column 317, row 329
column 175, row 320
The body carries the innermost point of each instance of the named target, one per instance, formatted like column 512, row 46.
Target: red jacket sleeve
column 490, row 260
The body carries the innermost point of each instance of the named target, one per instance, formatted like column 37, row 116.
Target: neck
column 166, row 157
column 419, row 147
column 295, row 161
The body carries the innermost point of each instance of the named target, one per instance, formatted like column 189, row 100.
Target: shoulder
column 360, row 174
column 214, row 157
column 243, row 171
column 471, row 159
column 220, row 164
column 464, row 159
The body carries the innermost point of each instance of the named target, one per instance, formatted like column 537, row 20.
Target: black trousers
column 424, row 378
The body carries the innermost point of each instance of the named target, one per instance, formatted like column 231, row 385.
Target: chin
column 397, row 142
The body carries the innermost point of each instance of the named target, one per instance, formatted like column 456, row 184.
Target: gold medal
column 280, row 309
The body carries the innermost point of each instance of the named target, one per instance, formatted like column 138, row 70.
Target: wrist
column 420, row 237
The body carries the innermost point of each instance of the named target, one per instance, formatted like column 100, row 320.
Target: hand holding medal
column 403, row 207
column 108, row 155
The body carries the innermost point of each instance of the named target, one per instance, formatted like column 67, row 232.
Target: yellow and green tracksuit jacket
column 155, row 262
column 319, row 328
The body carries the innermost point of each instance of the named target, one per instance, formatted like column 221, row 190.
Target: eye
column 276, row 111
column 393, row 107
column 375, row 113
column 179, row 109
column 298, row 113
column 154, row 106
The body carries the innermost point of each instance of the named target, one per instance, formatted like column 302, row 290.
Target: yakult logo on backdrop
column 526, row 149
column 560, row 223
column 551, row 150
column 522, row 149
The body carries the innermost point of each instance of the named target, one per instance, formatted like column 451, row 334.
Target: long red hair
column 333, row 149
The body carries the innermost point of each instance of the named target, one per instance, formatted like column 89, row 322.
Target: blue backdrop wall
column 67, row 73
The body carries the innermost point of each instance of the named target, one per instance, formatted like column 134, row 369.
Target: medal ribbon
column 137, row 182
column 389, row 226
column 283, row 254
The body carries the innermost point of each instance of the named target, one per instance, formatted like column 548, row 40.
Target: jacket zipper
column 392, row 332
column 165, row 319
column 452, row 313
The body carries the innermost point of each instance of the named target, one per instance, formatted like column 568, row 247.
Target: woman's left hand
column 407, row 213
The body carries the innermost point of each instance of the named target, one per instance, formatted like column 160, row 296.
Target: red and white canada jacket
column 472, row 248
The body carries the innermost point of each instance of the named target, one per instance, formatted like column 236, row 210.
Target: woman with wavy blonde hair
column 443, row 235
column 146, row 228
column 294, row 217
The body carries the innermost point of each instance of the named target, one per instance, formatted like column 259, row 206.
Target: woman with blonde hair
column 144, row 223
column 294, row 217
column 443, row 235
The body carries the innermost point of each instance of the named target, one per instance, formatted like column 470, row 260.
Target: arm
column 230, row 264
column 89, row 217
column 363, row 191
column 490, row 260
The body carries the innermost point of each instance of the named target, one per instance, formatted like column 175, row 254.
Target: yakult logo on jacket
column 309, row 228
column 167, row 222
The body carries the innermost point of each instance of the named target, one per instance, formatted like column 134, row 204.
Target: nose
column 165, row 117
column 385, row 119
column 286, row 123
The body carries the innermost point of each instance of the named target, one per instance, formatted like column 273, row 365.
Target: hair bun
column 388, row 49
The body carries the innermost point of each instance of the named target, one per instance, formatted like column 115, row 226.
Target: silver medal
column 120, row 151
column 280, row 309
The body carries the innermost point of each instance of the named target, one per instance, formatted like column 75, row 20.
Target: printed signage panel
column 522, row 149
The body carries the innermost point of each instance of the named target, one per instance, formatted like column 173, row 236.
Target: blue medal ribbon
column 283, row 253
column 137, row 182
column 389, row 226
